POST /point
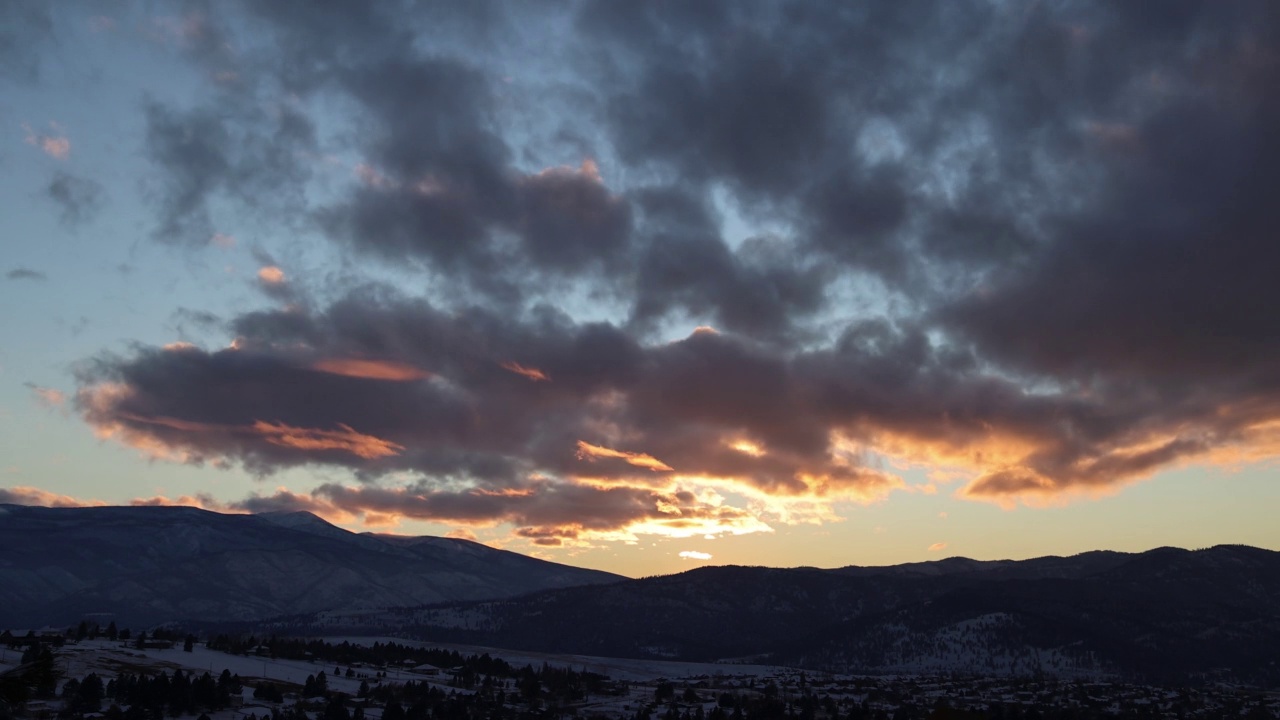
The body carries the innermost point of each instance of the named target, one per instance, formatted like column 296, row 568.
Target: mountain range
column 158, row 564
column 1165, row 614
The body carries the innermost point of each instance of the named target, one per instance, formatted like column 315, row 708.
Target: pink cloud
column 56, row 146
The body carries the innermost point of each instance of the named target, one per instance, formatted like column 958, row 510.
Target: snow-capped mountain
column 155, row 564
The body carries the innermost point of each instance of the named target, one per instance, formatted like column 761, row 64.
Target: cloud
column 1042, row 274
column 25, row 274
column 694, row 555
column 589, row 452
column 271, row 275
column 533, row 374
column 78, row 199
column 200, row 500
column 48, row 397
column 25, row 29
column 462, row 534
column 56, row 146
column 937, row 547
column 371, row 369
column 24, row 495
column 207, row 153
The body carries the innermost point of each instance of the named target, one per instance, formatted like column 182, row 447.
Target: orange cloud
column 271, row 275
column 346, row 439
column 55, row 146
column 532, row 373
column 25, row 495
column 746, row 447
column 203, row 501
column 937, row 547
column 587, row 451
column 381, row 520
column 371, row 369
column 587, row 169
column 48, row 397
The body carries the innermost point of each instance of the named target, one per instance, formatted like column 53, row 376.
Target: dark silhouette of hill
column 1166, row 613
column 154, row 564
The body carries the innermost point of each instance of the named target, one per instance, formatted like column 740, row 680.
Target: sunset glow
column 587, row 451
column 371, row 369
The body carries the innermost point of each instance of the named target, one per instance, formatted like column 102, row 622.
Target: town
column 87, row 673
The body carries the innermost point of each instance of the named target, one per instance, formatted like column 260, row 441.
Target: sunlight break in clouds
column 694, row 555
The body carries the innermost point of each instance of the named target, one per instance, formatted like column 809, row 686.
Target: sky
column 643, row 286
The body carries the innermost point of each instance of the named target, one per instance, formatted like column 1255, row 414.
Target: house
column 425, row 669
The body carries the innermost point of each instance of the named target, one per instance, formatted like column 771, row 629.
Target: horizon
column 642, row 288
column 706, row 564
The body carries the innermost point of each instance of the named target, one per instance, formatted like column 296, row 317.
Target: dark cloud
column 24, row 27
column 207, row 153
column 762, row 289
column 1030, row 243
column 548, row 514
column 78, row 199
column 186, row 321
column 25, row 274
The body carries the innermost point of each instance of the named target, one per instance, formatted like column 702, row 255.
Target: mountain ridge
column 156, row 564
column 1166, row 613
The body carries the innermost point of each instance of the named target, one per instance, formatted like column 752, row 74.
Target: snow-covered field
column 110, row 658
column 616, row 668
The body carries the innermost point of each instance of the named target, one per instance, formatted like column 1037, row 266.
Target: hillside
column 153, row 564
column 1165, row 613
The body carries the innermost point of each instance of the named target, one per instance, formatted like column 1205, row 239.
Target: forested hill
column 1165, row 613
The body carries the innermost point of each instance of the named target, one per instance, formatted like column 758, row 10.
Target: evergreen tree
column 91, row 693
